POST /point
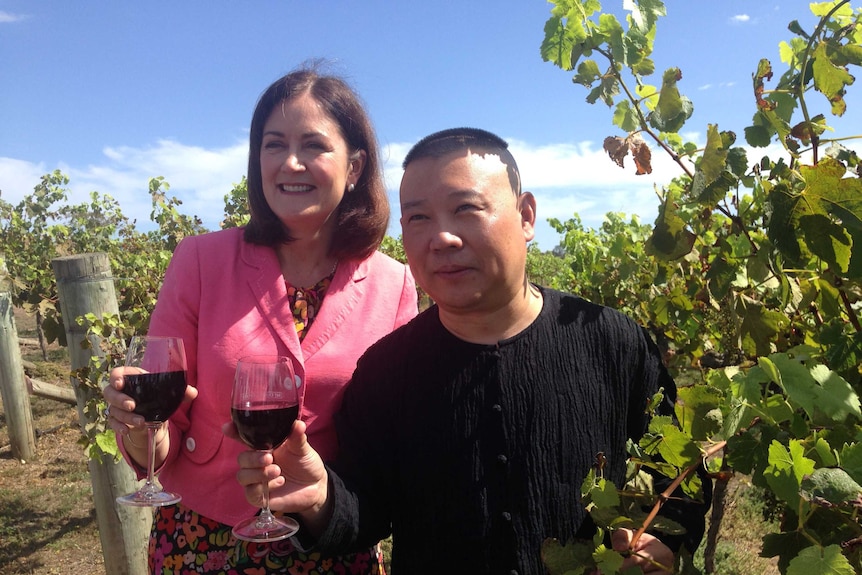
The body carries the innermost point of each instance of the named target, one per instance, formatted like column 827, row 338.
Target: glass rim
column 265, row 358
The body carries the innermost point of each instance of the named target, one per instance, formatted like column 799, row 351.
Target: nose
column 292, row 163
column 444, row 240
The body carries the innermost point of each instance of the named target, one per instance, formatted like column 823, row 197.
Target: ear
column 527, row 209
column 355, row 167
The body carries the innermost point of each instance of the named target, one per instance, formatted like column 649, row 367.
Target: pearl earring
column 350, row 188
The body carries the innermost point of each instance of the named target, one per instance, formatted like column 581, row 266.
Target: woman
column 303, row 279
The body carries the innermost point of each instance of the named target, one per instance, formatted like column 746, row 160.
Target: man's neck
column 489, row 327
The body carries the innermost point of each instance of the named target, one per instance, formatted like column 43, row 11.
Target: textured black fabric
column 475, row 454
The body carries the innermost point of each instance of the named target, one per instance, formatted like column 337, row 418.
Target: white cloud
column 199, row 177
column 566, row 178
column 740, row 18
column 719, row 85
column 8, row 17
column 18, row 178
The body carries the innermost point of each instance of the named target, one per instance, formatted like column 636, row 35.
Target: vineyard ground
column 48, row 524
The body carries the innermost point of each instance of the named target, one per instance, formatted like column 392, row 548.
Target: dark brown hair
column 363, row 214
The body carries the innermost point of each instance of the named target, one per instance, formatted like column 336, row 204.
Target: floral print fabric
column 185, row 543
column 304, row 303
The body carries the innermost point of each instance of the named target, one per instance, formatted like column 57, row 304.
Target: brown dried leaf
column 642, row 156
column 617, row 148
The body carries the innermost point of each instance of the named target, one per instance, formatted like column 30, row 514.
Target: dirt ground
column 47, row 521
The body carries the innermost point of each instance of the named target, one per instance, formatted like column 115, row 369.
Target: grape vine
column 749, row 278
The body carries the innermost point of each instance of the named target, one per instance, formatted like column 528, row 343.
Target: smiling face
column 465, row 231
column 306, row 166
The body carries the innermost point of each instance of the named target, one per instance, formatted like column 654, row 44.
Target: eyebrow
column 457, row 194
column 304, row 136
column 411, row 205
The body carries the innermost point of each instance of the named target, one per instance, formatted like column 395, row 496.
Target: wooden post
column 13, row 389
column 85, row 285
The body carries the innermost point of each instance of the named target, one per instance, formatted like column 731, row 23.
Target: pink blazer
column 227, row 299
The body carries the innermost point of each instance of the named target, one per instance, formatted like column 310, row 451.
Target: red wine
column 262, row 427
column 156, row 395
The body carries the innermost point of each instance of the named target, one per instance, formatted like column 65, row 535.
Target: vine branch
column 666, row 494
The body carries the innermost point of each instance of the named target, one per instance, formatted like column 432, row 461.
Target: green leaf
column 829, row 78
column 796, row 381
column 649, row 95
column 826, row 186
column 696, row 408
column 850, row 459
column 843, row 352
column 836, row 397
column 608, row 87
column 644, row 13
column 785, row 546
column 852, row 54
column 604, row 494
column 827, row 240
column 714, row 156
column 670, row 239
column 824, row 453
column 854, row 270
column 758, row 135
column 832, row 484
column 573, row 558
column 786, row 469
column 826, row 561
column 608, row 560
column 677, row 448
column 104, row 443
column 659, row 422
column 588, row 72
column 759, row 326
column 720, row 275
column 710, row 194
column 768, row 122
column 669, row 102
column 625, row 116
column 569, row 32
column 778, row 410
column 748, row 452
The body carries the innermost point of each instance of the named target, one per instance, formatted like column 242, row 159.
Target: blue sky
column 113, row 93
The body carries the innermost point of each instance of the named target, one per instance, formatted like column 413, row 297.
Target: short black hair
column 451, row 140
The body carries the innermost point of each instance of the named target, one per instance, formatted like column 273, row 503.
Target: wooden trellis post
column 85, row 285
column 13, row 390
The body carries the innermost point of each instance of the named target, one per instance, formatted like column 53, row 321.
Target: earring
column 350, row 188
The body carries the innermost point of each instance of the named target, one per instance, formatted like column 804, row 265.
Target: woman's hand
column 298, row 481
column 129, row 426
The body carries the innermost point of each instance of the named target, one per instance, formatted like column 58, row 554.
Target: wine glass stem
column 266, row 516
column 150, row 486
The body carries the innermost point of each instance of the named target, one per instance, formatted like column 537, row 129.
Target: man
column 468, row 432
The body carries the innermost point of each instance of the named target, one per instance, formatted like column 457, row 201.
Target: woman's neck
column 304, row 263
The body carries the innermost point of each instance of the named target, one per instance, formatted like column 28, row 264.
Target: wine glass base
column 152, row 499
column 255, row 530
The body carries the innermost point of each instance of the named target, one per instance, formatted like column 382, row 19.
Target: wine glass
column 157, row 384
column 264, row 405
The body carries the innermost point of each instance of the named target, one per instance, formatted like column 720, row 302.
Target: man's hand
column 297, row 479
column 650, row 554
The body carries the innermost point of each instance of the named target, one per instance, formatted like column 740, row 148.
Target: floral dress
column 184, row 542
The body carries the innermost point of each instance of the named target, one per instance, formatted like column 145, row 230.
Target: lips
column 449, row 270
column 295, row 188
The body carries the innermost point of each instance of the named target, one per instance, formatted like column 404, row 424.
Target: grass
column 748, row 516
